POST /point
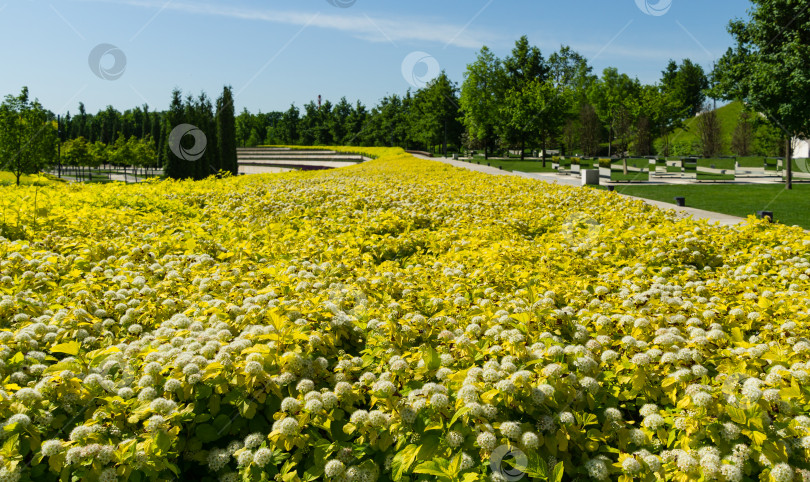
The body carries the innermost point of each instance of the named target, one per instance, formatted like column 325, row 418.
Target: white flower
column 262, row 457
column 305, row 386
column 290, row 405
column 288, row 426
column 359, row 417
column 244, row 458
column 701, row 399
column 730, row 431
column 597, row 469
column 511, row 430
column 334, row 468
column 529, row 440
column 51, row 447
column 648, row 409
column 486, row 441
column 439, row 401
column 653, row 422
column 782, row 473
column 253, row 440
column 631, row 466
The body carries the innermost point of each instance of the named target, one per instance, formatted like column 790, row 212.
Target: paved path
column 722, row 219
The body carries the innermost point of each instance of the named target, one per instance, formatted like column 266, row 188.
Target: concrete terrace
column 262, row 160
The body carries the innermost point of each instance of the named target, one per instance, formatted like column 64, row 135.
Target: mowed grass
column 789, row 207
column 522, row 166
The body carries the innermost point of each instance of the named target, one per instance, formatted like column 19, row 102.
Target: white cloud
column 357, row 25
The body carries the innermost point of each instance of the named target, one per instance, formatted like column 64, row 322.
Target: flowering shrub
column 396, row 320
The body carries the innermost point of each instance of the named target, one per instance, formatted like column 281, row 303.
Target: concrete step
column 354, row 159
column 293, row 152
column 298, row 163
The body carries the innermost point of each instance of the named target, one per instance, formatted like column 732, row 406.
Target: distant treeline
column 112, row 128
column 523, row 102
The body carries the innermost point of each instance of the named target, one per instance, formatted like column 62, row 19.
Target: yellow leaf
column 69, row 348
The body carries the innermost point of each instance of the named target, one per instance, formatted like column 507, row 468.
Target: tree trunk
column 789, row 167
column 544, row 151
column 522, row 149
column 444, row 146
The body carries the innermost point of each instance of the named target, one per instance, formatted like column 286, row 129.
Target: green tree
column 686, row 84
column 482, row 93
column 99, row 153
column 244, row 126
column 743, row 137
column 28, row 137
column 123, row 152
column 768, row 69
column 523, row 68
column 76, row 152
column 356, row 124
column 709, row 132
column 288, row 126
column 569, row 70
column 339, row 121
column 226, row 132
column 536, row 109
column 434, row 118
column 589, row 130
column 174, row 167
column 614, row 97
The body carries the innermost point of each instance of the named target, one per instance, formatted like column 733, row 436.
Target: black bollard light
column 681, row 201
column 765, row 214
column 611, row 188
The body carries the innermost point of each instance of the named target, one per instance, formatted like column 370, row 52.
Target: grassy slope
column 728, row 115
column 789, row 207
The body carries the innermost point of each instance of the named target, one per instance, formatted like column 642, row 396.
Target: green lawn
column 523, row 166
column 789, row 207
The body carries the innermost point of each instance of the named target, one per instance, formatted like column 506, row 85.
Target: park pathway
column 712, row 217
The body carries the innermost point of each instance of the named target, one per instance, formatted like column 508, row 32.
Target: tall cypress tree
column 174, row 167
column 226, row 132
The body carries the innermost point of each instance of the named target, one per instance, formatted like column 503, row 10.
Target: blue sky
column 275, row 53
